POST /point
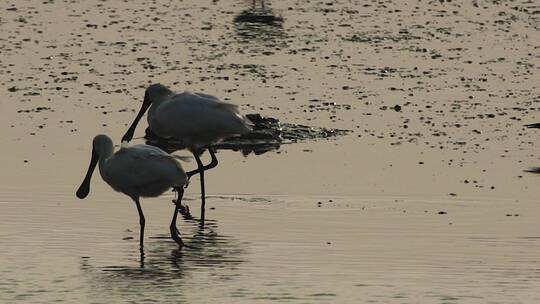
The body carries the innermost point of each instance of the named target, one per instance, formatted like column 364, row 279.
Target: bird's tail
column 248, row 123
column 182, row 158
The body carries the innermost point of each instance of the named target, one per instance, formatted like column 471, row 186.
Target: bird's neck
column 103, row 158
column 153, row 108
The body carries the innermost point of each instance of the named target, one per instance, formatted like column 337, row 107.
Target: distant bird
column 196, row 120
column 533, row 126
column 535, row 170
column 137, row 171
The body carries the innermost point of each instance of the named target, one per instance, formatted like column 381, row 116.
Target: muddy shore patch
column 268, row 134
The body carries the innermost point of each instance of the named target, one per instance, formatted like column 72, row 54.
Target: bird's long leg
column 141, row 260
column 213, row 163
column 175, row 234
column 182, row 208
column 142, row 221
column 200, row 168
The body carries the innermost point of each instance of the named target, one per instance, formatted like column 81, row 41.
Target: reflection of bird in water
column 163, row 270
column 197, row 120
column 138, row 171
column 209, row 248
column 259, row 30
column 263, row 15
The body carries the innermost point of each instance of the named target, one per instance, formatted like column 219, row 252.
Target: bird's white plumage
column 138, row 171
column 196, row 119
column 141, row 170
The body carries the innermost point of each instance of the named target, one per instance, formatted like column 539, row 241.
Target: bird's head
column 102, row 146
column 154, row 94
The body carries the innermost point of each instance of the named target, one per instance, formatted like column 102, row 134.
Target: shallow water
column 283, row 249
column 425, row 201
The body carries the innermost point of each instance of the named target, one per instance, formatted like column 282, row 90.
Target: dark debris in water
column 268, row 135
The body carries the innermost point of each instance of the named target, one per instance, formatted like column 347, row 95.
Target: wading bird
column 197, row 120
column 137, row 171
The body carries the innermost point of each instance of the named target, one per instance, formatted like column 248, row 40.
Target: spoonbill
column 197, row 120
column 137, row 171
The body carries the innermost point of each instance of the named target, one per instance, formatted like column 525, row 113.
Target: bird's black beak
column 129, row 133
column 84, row 189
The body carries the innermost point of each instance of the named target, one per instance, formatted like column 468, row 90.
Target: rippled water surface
column 283, row 249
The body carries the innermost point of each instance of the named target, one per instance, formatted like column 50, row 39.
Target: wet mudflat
column 424, row 201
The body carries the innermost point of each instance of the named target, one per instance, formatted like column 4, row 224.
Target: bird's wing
column 208, row 100
column 232, row 108
column 192, row 114
column 207, row 96
column 142, row 165
column 154, row 157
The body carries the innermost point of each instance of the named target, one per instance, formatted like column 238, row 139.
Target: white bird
column 196, row 120
column 137, row 171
